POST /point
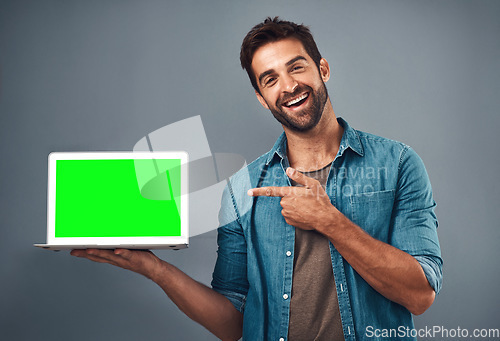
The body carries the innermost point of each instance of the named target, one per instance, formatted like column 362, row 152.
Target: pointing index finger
column 269, row 191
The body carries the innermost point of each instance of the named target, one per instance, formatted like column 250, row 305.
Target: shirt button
column 282, row 339
column 285, row 296
column 289, row 253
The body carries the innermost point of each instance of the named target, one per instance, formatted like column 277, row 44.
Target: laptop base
column 58, row 247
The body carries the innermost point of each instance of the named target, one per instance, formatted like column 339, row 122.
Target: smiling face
column 290, row 84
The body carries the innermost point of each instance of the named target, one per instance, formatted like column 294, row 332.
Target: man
column 335, row 236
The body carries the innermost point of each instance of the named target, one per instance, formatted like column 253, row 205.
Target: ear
column 261, row 100
column 324, row 70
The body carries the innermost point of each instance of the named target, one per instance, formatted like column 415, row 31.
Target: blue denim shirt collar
column 350, row 140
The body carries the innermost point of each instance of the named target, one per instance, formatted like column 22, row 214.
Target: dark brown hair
column 271, row 30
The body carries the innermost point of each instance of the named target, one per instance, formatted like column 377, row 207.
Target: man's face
column 291, row 86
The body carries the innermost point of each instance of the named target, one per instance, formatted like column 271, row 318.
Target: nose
column 289, row 84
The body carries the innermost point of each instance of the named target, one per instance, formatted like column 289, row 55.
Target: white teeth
column 297, row 100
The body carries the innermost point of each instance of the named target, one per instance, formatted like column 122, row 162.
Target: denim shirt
column 379, row 184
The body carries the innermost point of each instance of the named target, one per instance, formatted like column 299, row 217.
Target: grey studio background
column 100, row 75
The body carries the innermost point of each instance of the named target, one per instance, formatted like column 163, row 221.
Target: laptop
column 109, row 200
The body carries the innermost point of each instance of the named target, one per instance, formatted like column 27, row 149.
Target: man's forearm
column 202, row 304
column 393, row 273
column 199, row 302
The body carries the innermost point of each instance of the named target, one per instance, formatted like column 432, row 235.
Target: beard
column 305, row 119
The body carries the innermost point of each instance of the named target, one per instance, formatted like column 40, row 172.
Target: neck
column 316, row 148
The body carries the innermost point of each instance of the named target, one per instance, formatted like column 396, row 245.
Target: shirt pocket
column 372, row 212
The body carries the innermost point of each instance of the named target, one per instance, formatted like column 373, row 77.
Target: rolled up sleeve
column 432, row 267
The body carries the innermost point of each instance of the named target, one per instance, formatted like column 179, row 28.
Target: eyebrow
column 290, row 62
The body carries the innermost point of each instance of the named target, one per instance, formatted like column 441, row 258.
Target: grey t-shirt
column 314, row 307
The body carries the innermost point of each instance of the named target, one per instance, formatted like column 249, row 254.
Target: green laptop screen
column 103, row 198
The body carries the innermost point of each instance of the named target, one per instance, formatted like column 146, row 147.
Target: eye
column 270, row 81
column 297, row 68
